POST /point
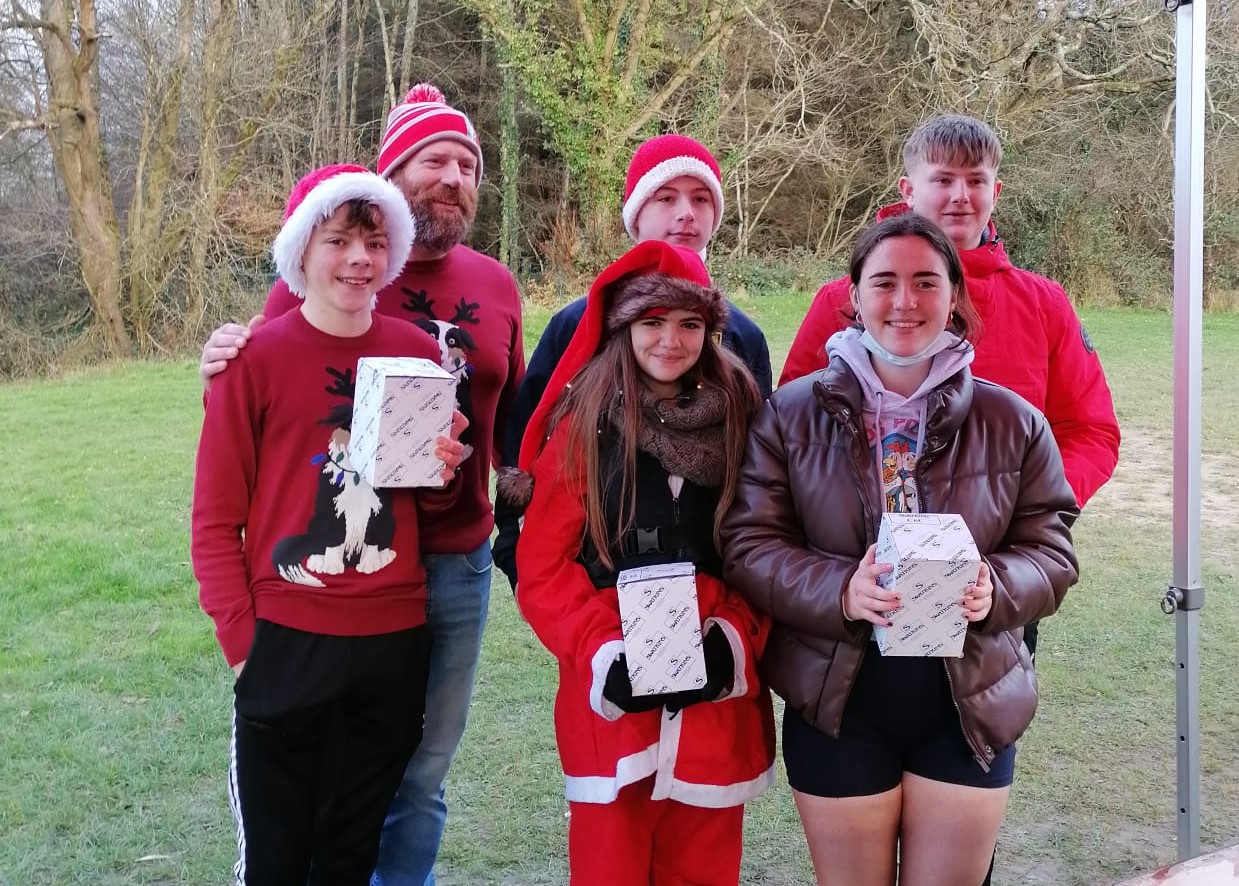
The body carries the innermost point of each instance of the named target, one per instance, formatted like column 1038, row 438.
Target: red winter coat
column 1031, row 342
column 713, row 754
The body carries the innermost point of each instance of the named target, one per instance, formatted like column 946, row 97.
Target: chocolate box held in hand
column 402, row 405
column 935, row 561
column 662, row 628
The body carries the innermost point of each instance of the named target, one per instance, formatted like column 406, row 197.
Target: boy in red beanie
column 469, row 304
column 312, row 576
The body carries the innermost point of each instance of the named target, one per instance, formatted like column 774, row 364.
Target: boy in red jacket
column 312, row 576
column 1031, row 341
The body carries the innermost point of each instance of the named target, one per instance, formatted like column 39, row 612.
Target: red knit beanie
column 611, row 304
column 661, row 159
column 423, row 117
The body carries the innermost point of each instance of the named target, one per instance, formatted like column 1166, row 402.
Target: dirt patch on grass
column 1142, row 487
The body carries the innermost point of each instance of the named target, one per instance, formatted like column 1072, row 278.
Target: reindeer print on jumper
column 456, row 346
column 352, row 526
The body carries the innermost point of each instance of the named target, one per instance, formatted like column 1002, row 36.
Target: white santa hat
column 661, row 159
column 316, row 198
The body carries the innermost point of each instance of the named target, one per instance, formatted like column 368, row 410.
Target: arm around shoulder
column 226, row 342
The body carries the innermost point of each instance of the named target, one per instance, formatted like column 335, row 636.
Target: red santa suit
column 628, row 773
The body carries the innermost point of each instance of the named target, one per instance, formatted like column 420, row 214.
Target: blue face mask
column 941, row 343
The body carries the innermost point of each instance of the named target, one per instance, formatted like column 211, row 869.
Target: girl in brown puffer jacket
column 899, row 766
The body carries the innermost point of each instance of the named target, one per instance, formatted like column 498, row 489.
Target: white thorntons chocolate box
column 662, row 628
column 935, row 561
column 402, row 405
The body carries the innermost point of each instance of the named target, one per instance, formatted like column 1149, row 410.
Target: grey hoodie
column 894, row 424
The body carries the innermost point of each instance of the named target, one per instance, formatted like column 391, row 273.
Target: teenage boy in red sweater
column 312, row 576
column 468, row 302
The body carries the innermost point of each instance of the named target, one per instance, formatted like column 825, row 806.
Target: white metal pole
column 1186, row 595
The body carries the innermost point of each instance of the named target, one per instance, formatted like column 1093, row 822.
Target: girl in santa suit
column 630, row 461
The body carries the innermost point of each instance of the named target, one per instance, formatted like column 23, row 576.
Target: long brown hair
column 607, row 390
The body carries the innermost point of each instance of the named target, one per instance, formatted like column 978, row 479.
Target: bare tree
column 67, row 36
column 599, row 75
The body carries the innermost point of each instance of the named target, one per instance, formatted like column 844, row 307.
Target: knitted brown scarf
column 685, row 434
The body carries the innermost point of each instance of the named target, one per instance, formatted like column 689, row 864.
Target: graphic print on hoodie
column 895, row 425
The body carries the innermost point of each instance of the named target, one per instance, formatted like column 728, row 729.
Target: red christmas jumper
column 283, row 529
column 470, row 304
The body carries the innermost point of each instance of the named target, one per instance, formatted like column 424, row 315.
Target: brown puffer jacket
column 808, row 506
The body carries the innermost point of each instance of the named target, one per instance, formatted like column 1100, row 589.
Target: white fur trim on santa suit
column 600, row 664
column 605, row 788
column 321, row 202
column 739, row 685
column 659, row 175
column 660, row 758
column 644, row 763
column 720, row 796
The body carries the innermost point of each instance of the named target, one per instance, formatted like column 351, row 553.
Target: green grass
column 114, row 698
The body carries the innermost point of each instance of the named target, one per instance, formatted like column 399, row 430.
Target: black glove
column 503, row 551
column 720, row 672
column 618, row 690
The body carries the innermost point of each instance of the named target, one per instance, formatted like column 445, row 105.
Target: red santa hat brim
column 666, row 171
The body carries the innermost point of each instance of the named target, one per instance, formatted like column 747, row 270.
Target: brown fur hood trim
column 632, row 297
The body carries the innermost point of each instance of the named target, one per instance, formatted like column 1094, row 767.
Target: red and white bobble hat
column 317, row 196
column 423, row 117
column 661, row 159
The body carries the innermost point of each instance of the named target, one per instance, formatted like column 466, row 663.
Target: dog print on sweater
column 455, row 347
column 352, row 526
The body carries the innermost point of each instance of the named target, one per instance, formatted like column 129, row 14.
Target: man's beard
column 440, row 228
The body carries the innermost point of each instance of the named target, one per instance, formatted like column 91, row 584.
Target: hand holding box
column 402, row 405
column 662, row 628
column 934, row 562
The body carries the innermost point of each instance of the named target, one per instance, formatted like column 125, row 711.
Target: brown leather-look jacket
column 808, row 506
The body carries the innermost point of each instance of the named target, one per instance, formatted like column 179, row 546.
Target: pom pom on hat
column 424, row 92
column 423, row 117
column 661, row 159
column 317, row 196
column 651, row 274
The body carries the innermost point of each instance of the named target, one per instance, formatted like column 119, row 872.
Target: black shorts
column 899, row 718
